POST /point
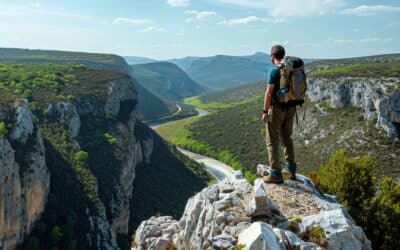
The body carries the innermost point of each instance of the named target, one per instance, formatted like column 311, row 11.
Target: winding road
column 216, row 168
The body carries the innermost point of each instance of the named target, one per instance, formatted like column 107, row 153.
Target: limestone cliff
column 235, row 215
column 24, row 176
column 378, row 97
column 27, row 164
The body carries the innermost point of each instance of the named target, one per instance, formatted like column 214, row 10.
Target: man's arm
column 267, row 101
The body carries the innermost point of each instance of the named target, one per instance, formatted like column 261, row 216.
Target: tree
column 350, row 180
column 382, row 224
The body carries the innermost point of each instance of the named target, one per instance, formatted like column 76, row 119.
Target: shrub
column 383, row 220
column 350, row 180
column 3, row 129
column 81, row 157
column 111, row 139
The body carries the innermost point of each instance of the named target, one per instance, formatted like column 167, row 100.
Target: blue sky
column 165, row 29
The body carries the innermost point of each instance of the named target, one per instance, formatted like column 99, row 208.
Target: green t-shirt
column 273, row 76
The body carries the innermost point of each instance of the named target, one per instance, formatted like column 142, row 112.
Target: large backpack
column 293, row 81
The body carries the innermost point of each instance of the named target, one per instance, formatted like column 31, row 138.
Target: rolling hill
column 223, row 72
column 166, row 80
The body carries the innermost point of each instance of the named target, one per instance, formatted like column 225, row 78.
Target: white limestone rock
column 119, row 90
column 340, row 229
column 24, row 182
column 66, row 113
column 378, row 97
column 259, row 236
column 23, row 125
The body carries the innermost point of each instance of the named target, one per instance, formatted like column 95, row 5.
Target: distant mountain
column 133, row 60
column 166, row 80
column 222, row 71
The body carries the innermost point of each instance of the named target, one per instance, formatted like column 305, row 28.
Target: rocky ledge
column 378, row 97
column 233, row 214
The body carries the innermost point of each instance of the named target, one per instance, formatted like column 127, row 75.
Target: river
column 216, row 168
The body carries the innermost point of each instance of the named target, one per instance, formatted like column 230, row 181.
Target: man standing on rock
column 279, row 119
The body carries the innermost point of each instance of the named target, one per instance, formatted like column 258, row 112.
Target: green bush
column 3, row 129
column 350, row 180
column 81, row 157
column 383, row 220
column 111, row 139
column 353, row 184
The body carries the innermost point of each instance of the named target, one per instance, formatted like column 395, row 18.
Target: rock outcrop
column 378, row 97
column 24, row 177
column 232, row 213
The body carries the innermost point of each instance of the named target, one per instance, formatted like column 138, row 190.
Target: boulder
column 340, row 229
column 259, row 236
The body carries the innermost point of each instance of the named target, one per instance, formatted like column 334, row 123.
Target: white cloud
column 369, row 10
column 125, row 20
column 152, row 29
column 200, row 15
column 249, row 20
column 290, row 8
column 179, row 3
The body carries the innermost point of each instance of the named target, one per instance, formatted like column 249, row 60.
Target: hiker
column 286, row 86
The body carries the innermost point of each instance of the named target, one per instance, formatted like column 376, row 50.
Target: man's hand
column 264, row 117
column 267, row 101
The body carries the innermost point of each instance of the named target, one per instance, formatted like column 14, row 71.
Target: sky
column 166, row 29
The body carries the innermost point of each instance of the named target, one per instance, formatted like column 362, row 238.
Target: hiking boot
column 272, row 179
column 291, row 170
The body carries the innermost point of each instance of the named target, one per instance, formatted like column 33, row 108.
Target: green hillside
column 150, row 106
column 236, row 94
column 44, row 83
column 166, row 80
column 371, row 66
column 239, row 129
column 223, row 72
column 62, row 57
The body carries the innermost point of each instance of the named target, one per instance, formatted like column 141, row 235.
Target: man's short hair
column 278, row 51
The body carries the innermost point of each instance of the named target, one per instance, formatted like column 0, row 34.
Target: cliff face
column 106, row 181
column 233, row 214
column 378, row 97
column 24, row 176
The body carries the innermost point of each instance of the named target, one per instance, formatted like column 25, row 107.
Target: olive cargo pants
column 280, row 127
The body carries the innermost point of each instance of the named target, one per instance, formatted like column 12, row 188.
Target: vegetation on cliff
column 375, row 207
column 375, row 66
column 45, row 83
